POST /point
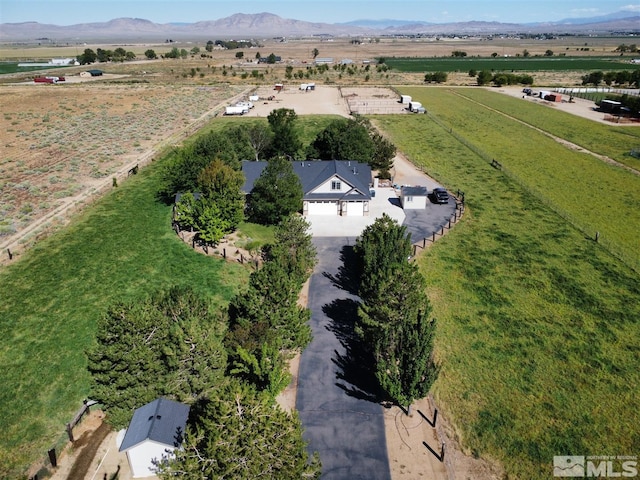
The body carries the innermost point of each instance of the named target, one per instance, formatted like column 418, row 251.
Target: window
column 409, row 199
column 336, row 185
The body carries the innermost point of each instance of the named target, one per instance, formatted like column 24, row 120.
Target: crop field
column 593, row 195
column 513, row 64
column 537, row 333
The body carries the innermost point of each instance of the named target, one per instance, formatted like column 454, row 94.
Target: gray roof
column 162, row 421
column 313, row 173
column 416, row 191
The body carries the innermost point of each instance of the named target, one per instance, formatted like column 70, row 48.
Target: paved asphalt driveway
column 342, row 419
column 336, row 397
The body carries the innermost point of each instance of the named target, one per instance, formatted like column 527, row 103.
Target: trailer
column 405, row 99
column 235, row 110
column 416, row 107
column 610, row 106
column 245, row 105
column 254, row 98
column 48, row 79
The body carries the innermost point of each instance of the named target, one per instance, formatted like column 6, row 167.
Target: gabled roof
column 314, row 173
column 161, row 421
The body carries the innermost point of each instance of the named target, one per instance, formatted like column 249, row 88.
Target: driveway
column 336, row 398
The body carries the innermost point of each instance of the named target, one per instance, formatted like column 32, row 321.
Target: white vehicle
column 235, row 110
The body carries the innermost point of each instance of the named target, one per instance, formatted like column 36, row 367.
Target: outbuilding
column 91, row 73
column 413, row 198
column 155, row 431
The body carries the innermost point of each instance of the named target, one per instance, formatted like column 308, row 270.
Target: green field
column 512, row 64
column 538, row 325
column 120, row 249
column 12, row 67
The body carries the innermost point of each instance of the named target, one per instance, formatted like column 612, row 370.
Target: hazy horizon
column 65, row 12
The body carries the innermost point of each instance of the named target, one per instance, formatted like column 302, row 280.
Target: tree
column 87, row 57
column 315, row 52
column 239, row 55
column 525, row 53
column 222, row 185
column 167, row 345
column 209, row 46
column 548, row 53
column 395, row 321
column 239, row 434
column 343, row 139
column 276, row 193
column 484, row 77
column 382, row 159
column 393, row 316
column 381, row 246
column 285, row 136
column 260, row 138
column 494, row 54
column 458, row 53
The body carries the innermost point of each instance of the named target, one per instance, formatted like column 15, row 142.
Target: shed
column 91, row 73
column 156, row 430
column 413, row 198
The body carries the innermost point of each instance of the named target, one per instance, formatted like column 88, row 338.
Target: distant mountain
column 259, row 25
column 603, row 18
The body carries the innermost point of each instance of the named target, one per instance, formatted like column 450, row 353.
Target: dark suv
column 440, row 195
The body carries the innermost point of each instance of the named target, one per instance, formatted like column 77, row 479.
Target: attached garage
column 353, row 209
column 322, row 208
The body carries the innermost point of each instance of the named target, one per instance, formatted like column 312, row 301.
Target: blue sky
column 65, row 12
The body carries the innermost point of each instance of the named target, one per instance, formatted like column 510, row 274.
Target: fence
column 608, row 245
column 453, row 219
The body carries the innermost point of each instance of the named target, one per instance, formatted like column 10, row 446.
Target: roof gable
column 161, row 421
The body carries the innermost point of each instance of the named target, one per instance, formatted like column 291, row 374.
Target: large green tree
column 276, row 193
column 222, row 185
column 166, row 345
column 286, row 141
column 239, row 434
column 343, row 139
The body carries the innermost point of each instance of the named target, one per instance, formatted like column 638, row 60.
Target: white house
column 413, row 198
column 330, row 187
column 156, row 429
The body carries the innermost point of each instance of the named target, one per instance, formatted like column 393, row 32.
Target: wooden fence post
column 70, row 432
column 52, row 458
column 424, row 242
column 10, row 254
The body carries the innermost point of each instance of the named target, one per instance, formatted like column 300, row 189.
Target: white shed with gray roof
column 413, row 198
column 155, row 429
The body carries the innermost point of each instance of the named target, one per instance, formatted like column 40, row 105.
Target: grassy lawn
column 119, row 249
column 538, row 332
column 594, row 195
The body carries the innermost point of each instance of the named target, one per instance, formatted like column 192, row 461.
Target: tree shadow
column 347, row 277
column 356, row 367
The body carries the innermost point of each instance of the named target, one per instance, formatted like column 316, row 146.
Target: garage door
column 355, row 209
column 323, row 208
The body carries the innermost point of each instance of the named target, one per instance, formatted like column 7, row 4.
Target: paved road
column 342, row 419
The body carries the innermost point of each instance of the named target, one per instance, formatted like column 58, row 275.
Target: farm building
column 155, row 430
column 91, row 73
column 413, row 198
column 330, row 187
column 323, row 61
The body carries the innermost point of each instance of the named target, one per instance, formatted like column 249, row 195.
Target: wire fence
column 586, row 230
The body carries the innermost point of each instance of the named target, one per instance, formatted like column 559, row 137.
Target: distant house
column 330, row 187
column 323, row 61
column 413, row 198
column 155, row 430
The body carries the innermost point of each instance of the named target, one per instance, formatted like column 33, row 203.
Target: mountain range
column 269, row 25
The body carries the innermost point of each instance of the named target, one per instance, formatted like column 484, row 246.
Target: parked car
column 440, row 195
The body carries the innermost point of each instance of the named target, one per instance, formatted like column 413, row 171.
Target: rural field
column 537, row 335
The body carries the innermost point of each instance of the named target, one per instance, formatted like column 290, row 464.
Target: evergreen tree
column 239, row 434
column 167, row 345
column 222, row 185
column 276, row 193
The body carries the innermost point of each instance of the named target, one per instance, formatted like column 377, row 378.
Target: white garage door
column 323, row 208
column 355, row 209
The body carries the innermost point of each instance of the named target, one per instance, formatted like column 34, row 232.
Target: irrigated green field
column 120, row 249
column 538, row 325
column 502, row 64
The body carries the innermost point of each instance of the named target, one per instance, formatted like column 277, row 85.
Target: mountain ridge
column 268, row 24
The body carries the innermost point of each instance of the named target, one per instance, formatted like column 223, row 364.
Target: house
column 155, row 430
column 330, row 187
column 413, row 198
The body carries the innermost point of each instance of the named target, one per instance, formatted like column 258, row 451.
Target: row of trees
column 436, row 77
column 229, row 365
column 485, row 77
column 118, row 55
column 623, row 77
column 393, row 318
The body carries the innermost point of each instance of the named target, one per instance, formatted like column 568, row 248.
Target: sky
column 66, row 12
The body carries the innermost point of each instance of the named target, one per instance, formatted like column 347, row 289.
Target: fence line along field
column 56, row 146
